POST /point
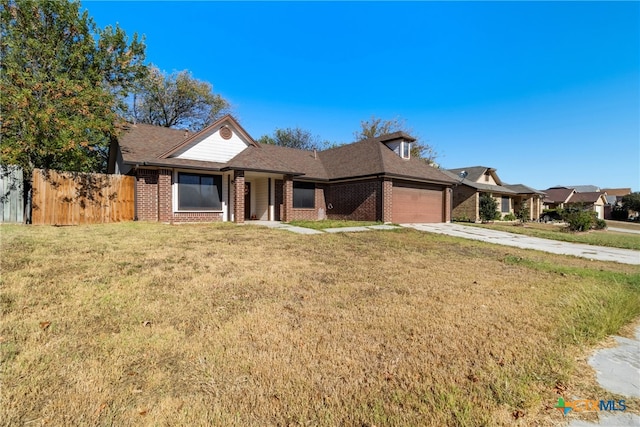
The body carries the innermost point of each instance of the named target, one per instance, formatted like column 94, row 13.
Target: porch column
column 447, row 204
column 238, row 197
column 387, row 200
column 287, row 196
column 164, row 196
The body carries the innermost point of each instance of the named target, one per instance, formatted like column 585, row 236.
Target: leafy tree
column 632, row 201
column 292, row 138
column 63, row 82
column 488, row 207
column 375, row 127
column 177, row 100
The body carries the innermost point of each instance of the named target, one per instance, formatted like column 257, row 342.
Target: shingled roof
column 523, row 189
column 587, row 197
column 143, row 144
column 371, row 157
column 473, row 174
column 558, row 194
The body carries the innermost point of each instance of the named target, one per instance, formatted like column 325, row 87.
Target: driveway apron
column 601, row 253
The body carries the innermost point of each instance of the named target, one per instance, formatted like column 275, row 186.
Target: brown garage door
column 415, row 204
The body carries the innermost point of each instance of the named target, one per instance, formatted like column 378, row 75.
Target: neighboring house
column 614, row 200
column 222, row 174
column 593, row 200
column 476, row 180
column 585, row 188
column 562, row 197
column 618, row 193
column 557, row 197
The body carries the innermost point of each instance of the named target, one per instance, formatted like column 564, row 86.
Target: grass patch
column 152, row 324
column 331, row 223
column 557, row 232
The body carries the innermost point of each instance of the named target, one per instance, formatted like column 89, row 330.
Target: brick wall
column 359, row 201
column 446, row 193
column 465, row 203
column 312, row 214
column 179, row 217
column 387, row 200
column 154, row 199
column 147, row 195
column 286, row 211
column 238, row 196
column 165, row 210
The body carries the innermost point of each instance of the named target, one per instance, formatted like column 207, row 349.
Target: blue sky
column 545, row 92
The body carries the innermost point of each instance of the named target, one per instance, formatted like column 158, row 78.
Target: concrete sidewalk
column 601, row 253
column 618, row 371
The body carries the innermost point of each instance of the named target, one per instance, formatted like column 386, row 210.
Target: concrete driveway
column 601, row 253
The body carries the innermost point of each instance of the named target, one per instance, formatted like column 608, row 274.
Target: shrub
column 509, row 217
column 600, row 224
column 578, row 219
column 524, row 212
column 619, row 213
column 488, row 207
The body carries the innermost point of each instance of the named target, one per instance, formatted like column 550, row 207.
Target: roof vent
column 225, row 132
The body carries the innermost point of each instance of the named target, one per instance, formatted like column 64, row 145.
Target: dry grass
column 624, row 224
column 150, row 324
column 560, row 232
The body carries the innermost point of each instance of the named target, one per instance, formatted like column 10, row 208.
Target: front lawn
column 159, row 325
column 611, row 239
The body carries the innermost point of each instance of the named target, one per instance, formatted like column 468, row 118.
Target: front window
column 199, row 192
column 505, row 204
column 304, row 195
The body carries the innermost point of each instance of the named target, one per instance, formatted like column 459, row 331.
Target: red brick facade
column 320, row 210
column 286, row 212
column 147, row 195
column 359, row 201
column 154, row 199
column 387, row 200
column 368, row 200
column 238, row 197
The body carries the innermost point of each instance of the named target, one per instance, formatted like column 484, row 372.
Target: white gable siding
column 214, row 148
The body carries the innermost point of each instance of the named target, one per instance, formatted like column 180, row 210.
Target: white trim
column 407, row 145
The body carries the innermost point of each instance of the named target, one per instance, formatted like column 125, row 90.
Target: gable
column 489, row 177
column 220, row 144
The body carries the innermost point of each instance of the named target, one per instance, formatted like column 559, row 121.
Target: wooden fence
column 70, row 198
column 11, row 194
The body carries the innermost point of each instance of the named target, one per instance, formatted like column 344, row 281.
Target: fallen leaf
column 517, row 414
column 45, row 325
column 101, row 408
column 143, row 412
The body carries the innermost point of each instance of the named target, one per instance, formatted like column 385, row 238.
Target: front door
column 247, row 200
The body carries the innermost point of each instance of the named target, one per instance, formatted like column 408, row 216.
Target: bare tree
column 375, row 127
